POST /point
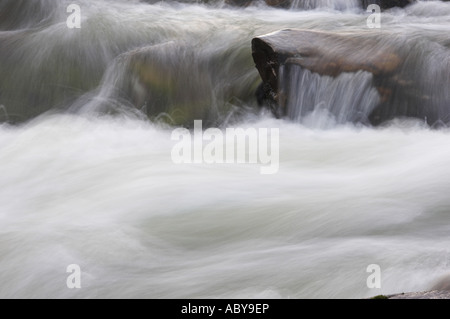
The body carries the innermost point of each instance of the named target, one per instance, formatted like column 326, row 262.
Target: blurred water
column 104, row 194
column 83, row 187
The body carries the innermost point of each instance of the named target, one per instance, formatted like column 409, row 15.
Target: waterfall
column 348, row 98
column 332, row 4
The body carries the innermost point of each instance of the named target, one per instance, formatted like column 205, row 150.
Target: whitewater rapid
column 102, row 191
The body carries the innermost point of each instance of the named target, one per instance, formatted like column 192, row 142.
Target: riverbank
column 434, row 294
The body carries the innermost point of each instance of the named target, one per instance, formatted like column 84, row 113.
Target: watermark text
column 230, row 146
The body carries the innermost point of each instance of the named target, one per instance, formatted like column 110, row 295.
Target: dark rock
column 279, row 3
column 239, row 3
column 311, row 50
column 387, row 4
column 402, row 71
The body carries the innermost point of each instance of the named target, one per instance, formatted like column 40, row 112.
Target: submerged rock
column 20, row 14
column 384, row 4
column 387, row 4
column 239, row 3
column 178, row 83
column 279, row 3
column 165, row 84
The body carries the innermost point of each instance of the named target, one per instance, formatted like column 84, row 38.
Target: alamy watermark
column 74, row 19
column 374, row 20
column 229, row 146
column 374, row 279
column 74, row 279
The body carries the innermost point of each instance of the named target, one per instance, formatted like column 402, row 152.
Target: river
column 88, row 179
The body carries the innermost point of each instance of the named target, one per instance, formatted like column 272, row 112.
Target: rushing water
column 94, row 184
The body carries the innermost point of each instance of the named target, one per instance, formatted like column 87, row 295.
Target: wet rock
column 157, row 81
column 442, row 284
column 434, row 294
column 326, row 54
column 387, row 4
column 178, row 83
column 279, row 3
column 402, row 73
column 239, row 3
